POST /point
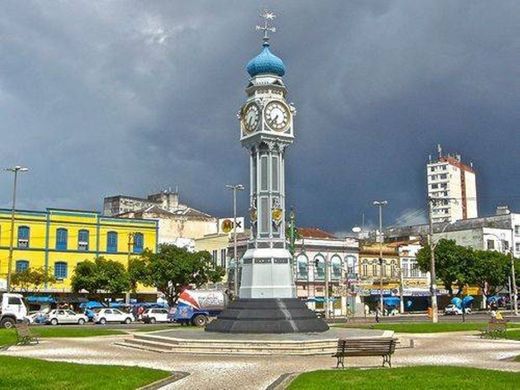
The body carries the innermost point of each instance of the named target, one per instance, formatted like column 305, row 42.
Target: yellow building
column 58, row 239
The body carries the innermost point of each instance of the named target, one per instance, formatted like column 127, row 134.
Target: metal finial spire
column 266, row 15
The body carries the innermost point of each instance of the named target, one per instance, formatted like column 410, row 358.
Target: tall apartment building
column 453, row 186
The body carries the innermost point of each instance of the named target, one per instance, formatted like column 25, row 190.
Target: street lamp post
column 380, row 204
column 433, row 284
column 235, row 188
column 15, row 170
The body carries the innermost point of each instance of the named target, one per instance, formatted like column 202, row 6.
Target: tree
column 32, row 279
column 490, row 271
column 172, row 269
column 100, row 275
column 452, row 264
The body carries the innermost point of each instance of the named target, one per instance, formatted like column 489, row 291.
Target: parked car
column 102, row 316
column 65, row 316
column 151, row 316
column 451, row 309
column 37, row 317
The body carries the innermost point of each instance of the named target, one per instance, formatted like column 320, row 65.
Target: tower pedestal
column 268, row 315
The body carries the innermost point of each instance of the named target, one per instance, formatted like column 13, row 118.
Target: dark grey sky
column 128, row 97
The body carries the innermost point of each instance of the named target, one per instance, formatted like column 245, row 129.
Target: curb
column 283, row 381
column 174, row 377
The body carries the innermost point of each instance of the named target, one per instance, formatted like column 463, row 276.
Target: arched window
column 22, row 265
column 319, row 267
column 365, row 267
column 335, row 265
column 351, row 264
column 83, row 236
column 138, row 242
column 112, row 242
column 23, row 237
column 61, row 239
column 60, row 270
column 303, row 266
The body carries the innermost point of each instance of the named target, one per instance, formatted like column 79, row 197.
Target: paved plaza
column 258, row 372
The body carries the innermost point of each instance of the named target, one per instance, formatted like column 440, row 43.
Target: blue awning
column 35, row 299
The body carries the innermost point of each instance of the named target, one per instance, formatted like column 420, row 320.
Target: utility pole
column 235, row 188
column 15, row 170
column 327, row 315
column 130, row 243
column 433, row 284
column 380, row 204
column 401, row 290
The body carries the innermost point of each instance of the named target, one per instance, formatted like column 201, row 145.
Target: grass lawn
column 8, row 336
column 428, row 327
column 420, row 377
column 24, row 373
column 513, row 334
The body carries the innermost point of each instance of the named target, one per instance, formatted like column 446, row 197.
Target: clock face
column 277, row 116
column 251, row 117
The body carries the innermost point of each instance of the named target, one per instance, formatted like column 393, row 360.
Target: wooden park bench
column 494, row 329
column 383, row 347
column 24, row 336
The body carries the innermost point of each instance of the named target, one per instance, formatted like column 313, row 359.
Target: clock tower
column 267, row 297
column 266, row 129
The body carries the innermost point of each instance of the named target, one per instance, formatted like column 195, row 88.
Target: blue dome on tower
column 266, row 63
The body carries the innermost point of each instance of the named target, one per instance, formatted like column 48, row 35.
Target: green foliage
column 32, row 279
column 457, row 266
column 25, row 373
column 172, row 269
column 100, row 275
column 420, row 377
column 491, row 268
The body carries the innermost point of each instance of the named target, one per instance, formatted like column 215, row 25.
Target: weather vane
column 267, row 16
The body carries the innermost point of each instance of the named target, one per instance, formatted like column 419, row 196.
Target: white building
column 453, row 186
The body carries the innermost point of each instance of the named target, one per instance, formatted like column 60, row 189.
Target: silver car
column 65, row 316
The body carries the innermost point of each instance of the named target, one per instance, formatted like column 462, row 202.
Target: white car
column 451, row 309
column 65, row 316
column 102, row 316
column 155, row 315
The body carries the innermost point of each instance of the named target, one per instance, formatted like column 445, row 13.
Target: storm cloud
column 129, row 97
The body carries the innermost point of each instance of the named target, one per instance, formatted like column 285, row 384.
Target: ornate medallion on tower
column 267, row 297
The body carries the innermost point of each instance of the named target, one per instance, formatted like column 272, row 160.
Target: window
column 302, row 264
column 335, row 263
column 22, row 265
column 60, row 270
column 263, row 173
column 14, row 301
column 443, row 176
column 517, row 229
column 138, row 242
column 505, row 245
column 351, row 264
column 61, row 239
column 83, row 240
column 319, row 266
column 223, row 255
column 214, row 257
column 375, row 269
column 23, row 237
column 517, row 246
column 490, row 244
column 435, row 185
column 274, row 174
column 365, row 269
column 112, row 242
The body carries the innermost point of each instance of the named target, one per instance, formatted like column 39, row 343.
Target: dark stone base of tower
column 288, row 315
